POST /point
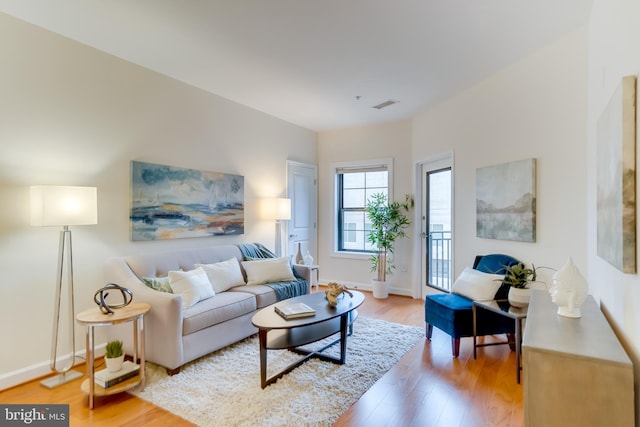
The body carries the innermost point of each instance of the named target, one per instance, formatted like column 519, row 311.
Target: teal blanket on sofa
column 283, row 290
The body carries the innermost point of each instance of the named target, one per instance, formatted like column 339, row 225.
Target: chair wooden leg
column 455, row 346
column 429, row 331
column 512, row 341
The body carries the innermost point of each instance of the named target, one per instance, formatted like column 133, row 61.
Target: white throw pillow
column 476, row 285
column 192, row 285
column 223, row 275
column 268, row 270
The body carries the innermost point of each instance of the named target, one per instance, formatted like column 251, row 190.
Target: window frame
column 336, row 204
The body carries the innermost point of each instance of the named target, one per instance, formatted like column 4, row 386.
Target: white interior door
column 303, row 191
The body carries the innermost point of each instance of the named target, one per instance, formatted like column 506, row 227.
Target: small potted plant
column 114, row 356
column 388, row 223
column 519, row 277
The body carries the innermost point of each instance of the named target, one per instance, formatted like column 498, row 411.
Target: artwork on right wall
column 616, row 179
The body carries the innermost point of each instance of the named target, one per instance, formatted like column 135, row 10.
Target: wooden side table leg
column 518, row 347
column 90, row 364
column 143, row 374
column 262, row 336
column 135, row 339
column 343, row 338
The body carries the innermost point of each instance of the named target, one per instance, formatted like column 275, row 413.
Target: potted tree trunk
column 388, row 223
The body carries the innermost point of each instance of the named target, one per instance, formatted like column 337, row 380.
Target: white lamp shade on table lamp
column 53, row 205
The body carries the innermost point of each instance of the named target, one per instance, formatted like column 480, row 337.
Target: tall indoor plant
column 388, row 223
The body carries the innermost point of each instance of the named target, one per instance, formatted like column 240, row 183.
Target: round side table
column 93, row 317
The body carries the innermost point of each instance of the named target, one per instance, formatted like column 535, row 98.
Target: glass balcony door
column 437, row 228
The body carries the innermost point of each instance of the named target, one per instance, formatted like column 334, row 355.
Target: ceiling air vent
column 384, row 104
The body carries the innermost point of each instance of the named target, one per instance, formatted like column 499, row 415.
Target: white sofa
column 175, row 335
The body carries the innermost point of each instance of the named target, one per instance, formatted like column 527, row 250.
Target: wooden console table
column 576, row 373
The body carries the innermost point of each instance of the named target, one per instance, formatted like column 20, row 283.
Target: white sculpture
column 569, row 290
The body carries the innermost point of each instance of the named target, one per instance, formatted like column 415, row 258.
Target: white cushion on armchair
column 476, row 285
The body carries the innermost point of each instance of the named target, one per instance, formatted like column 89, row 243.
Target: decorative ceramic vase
column 299, row 259
column 308, row 259
column 114, row 364
column 569, row 290
column 519, row 297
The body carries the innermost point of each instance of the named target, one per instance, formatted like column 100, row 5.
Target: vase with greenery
column 114, row 356
column 388, row 223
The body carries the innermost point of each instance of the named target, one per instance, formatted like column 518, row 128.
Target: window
column 354, row 185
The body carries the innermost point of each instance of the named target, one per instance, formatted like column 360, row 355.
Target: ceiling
column 319, row 64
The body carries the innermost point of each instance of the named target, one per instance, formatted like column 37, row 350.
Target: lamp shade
column 276, row 208
column 53, row 205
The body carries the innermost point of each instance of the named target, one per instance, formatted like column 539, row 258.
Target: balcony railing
column 439, row 253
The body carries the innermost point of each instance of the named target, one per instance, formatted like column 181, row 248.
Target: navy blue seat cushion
column 453, row 314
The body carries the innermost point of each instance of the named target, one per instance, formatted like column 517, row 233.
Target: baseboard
column 367, row 287
column 42, row 369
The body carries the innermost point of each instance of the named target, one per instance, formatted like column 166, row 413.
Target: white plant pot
column 114, row 364
column 380, row 288
column 519, row 297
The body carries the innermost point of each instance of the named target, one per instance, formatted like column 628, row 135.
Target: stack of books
column 294, row 311
column 107, row 379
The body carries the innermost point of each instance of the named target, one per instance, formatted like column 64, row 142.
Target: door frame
column 290, row 165
column 419, row 248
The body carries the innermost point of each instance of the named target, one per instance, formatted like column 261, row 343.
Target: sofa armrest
column 305, row 272
column 163, row 323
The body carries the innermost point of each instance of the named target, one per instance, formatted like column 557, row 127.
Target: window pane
column 353, row 233
column 353, row 180
column 377, row 179
column 353, row 198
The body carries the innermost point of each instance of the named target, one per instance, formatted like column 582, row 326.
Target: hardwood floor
column 428, row 387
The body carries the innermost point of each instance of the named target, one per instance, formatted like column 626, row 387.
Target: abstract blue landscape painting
column 169, row 202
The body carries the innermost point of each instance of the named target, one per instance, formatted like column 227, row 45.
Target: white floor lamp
column 63, row 206
column 277, row 208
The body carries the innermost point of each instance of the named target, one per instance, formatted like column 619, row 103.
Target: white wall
column 363, row 143
column 614, row 37
column 535, row 108
column 71, row 115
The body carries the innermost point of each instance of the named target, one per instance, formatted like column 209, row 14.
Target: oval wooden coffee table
column 277, row 333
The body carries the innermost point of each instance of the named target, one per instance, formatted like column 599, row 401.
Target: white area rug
column 223, row 388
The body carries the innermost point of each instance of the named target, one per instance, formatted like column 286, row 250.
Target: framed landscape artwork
column 616, row 180
column 169, row 202
column 506, row 201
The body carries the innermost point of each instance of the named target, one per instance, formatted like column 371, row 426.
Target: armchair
column 452, row 313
